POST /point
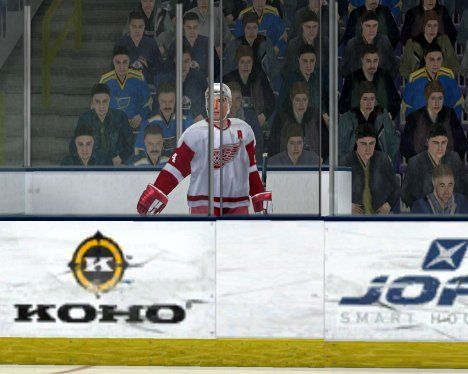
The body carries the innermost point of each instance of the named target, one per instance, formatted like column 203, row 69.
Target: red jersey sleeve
column 176, row 169
column 255, row 181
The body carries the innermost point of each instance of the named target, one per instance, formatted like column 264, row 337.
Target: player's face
column 203, row 5
column 167, row 103
column 367, row 102
column 365, row 147
column 435, row 102
column 431, row 29
column 186, row 62
column 370, row 29
column 147, row 6
column 137, row 29
column 434, row 61
column 310, row 30
column 220, row 110
column 251, row 31
column 372, row 4
column 437, row 146
column 370, row 63
column 121, row 64
column 236, row 101
column 191, row 29
column 429, row 4
column 245, row 65
column 259, row 5
column 84, row 146
column 295, row 147
column 154, row 145
column 443, row 187
column 100, row 104
column 307, row 64
column 300, row 103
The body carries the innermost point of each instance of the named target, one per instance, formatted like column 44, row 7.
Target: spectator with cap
column 387, row 95
column 375, row 188
column 414, row 21
column 255, row 86
column 83, row 153
column 387, row 24
column 443, row 200
column 293, row 152
column 413, row 52
column 417, row 182
column 413, row 94
column 418, row 123
column 369, row 35
column 387, row 138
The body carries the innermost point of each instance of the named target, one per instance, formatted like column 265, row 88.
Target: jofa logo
column 443, row 255
column 98, row 264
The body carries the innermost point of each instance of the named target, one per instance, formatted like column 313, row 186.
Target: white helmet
column 226, row 92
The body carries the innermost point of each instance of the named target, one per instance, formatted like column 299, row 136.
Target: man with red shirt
column 240, row 175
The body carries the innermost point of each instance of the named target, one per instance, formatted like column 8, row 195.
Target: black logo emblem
column 98, row 264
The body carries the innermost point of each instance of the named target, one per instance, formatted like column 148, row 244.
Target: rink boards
column 323, row 292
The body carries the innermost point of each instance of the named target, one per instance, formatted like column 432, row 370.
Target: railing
column 50, row 48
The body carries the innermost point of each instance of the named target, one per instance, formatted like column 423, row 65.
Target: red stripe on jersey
column 251, row 152
column 217, row 199
column 181, row 159
column 166, row 182
column 255, row 183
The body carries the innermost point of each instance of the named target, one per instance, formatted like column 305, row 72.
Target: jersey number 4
column 174, row 157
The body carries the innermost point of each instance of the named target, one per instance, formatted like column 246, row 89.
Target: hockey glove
column 152, row 201
column 262, row 202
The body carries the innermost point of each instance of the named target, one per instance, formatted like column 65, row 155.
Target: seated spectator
column 387, row 24
column 299, row 112
column 307, row 73
column 417, row 182
column 413, row 52
column 159, row 22
column 197, row 45
column 152, row 153
column 128, row 90
column 165, row 119
column 143, row 51
column 418, row 123
column 387, row 95
column 263, row 51
column 413, row 94
column 194, row 86
column 247, row 114
column 388, row 140
column 370, row 35
column 442, row 201
column 308, row 36
column 320, row 8
column 270, row 24
column 112, row 134
column 375, row 188
column 293, row 152
column 256, row 88
column 202, row 11
column 414, row 21
column 83, row 153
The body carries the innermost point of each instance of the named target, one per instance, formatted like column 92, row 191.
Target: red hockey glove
column 152, row 201
column 262, row 202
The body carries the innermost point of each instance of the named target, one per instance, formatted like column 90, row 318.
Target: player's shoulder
column 239, row 124
column 108, row 76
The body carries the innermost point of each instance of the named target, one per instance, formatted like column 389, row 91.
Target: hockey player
column 240, row 175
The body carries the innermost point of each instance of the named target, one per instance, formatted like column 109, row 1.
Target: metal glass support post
column 333, row 100
column 320, row 112
column 179, row 79
column 221, row 134
column 27, row 83
column 210, row 114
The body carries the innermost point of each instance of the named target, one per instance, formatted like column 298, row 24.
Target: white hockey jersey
column 240, row 174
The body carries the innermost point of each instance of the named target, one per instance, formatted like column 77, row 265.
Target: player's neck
column 225, row 124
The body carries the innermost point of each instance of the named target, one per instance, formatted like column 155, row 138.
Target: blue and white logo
column 445, row 254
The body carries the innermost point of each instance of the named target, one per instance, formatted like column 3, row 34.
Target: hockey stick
column 264, row 169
